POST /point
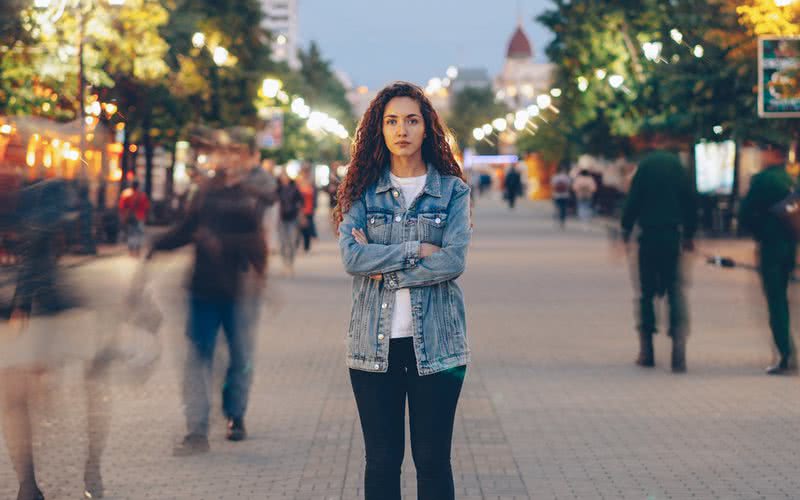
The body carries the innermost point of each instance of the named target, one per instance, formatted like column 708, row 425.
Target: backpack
column 561, row 186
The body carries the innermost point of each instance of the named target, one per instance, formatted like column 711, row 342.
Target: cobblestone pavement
column 553, row 406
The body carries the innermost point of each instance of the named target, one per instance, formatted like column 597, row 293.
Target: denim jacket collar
column 433, row 184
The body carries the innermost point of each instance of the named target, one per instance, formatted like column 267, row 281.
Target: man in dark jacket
column 229, row 267
column 777, row 249
column 513, row 186
column 662, row 202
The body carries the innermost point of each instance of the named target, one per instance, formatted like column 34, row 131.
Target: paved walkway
column 553, row 406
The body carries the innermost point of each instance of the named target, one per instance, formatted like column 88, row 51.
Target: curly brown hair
column 370, row 155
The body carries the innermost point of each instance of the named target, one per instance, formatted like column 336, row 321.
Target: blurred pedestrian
column 662, row 202
column 584, row 187
column 560, row 186
column 332, row 189
column 262, row 184
column 290, row 207
column 225, row 288
column 777, row 249
column 41, row 301
column 133, row 208
column 85, row 212
column 404, row 229
column 512, row 186
column 308, row 228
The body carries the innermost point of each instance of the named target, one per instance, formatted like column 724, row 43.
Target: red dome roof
column 519, row 47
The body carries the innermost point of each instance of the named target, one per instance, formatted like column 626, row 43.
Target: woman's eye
column 391, row 121
column 413, row 121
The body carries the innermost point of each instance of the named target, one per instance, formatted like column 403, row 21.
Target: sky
column 378, row 41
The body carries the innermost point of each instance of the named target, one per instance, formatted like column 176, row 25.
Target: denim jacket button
column 396, row 194
column 438, row 220
column 377, row 366
column 381, row 336
column 384, row 306
column 398, row 219
column 372, row 220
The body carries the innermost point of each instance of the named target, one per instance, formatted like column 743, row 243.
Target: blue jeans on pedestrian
column 135, row 234
column 205, row 318
column 561, row 210
column 432, row 400
column 585, row 210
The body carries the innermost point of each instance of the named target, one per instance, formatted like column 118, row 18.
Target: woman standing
column 404, row 228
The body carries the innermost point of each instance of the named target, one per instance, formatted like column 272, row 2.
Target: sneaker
column 29, row 492
column 236, row 430
column 93, row 481
column 192, row 444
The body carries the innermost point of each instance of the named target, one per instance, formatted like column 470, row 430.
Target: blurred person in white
column 34, row 340
column 560, row 187
column 584, row 187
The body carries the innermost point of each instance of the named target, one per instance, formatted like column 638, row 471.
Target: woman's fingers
column 360, row 237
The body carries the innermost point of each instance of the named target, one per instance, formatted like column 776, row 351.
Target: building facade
column 522, row 79
column 281, row 19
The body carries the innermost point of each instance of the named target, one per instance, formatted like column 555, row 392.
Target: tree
column 323, row 89
column 471, row 108
column 766, row 17
column 701, row 87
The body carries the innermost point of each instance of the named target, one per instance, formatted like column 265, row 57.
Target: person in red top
column 133, row 208
column 308, row 190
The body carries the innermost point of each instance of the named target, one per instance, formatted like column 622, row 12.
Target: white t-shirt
column 411, row 187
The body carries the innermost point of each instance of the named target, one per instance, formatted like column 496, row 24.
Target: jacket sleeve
column 366, row 260
column 448, row 263
column 689, row 206
column 633, row 205
column 180, row 235
column 751, row 209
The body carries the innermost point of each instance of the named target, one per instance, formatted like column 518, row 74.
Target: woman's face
column 403, row 127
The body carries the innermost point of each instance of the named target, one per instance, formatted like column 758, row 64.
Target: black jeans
column 432, row 400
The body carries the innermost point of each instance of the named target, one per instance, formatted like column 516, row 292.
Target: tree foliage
column 702, row 86
column 471, row 108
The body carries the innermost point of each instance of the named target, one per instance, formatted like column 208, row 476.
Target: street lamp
column 270, row 87
column 616, row 81
column 220, row 56
column 652, row 50
column 676, row 35
column 544, row 101
column 500, row 124
column 452, row 72
column 698, row 51
column 478, row 134
column 198, row 40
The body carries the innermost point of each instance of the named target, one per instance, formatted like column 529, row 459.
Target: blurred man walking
column 661, row 201
column 777, row 250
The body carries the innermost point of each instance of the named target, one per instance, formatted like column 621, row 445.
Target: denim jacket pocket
column 431, row 227
column 379, row 227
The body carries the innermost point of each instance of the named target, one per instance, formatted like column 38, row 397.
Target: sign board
column 715, row 167
column 779, row 77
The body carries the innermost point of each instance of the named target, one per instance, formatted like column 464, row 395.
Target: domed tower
column 521, row 78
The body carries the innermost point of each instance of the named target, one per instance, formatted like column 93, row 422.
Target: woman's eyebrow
column 412, row 115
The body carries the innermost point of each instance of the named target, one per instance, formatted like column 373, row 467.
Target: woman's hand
column 427, row 249
column 360, row 236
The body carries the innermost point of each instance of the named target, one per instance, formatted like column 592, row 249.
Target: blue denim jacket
column 439, row 215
